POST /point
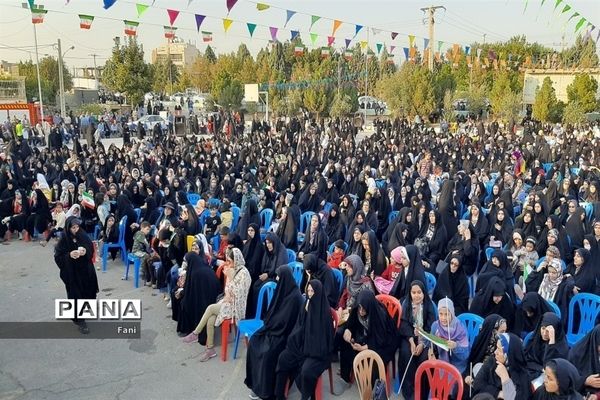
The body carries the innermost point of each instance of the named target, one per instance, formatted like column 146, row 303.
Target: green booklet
column 438, row 341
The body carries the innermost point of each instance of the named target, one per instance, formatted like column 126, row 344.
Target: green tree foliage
column 48, row 77
column 545, row 101
column 504, row 101
column 573, row 113
column 210, row 54
column 163, row 80
column 448, row 105
column 582, row 54
column 126, row 71
column 341, row 106
column 583, row 90
column 408, row 91
column 231, row 95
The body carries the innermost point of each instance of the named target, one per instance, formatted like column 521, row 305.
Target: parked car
column 148, row 121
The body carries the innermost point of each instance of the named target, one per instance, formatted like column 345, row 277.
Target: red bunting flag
column 230, row 4
column 173, row 14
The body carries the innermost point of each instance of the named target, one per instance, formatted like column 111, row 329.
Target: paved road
column 157, row 366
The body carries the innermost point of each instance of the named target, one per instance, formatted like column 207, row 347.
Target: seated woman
column 436, row 238
column 561, row 381
column 498, row 266
column 355, row 245
column 504, row 376
column 356, row 282
column 315, row 240
column 529, row 313
column 274, row 255
column 493, row 299
column 500, row 229
column 231, row 306
column 414, row 271
column 453, row 284
column 375, row 261
column 417, row 312
column 15, row 212
column 317, row 269
column 464, row 244
column 369, row 327
column 484, row 345
column 385, row 283
column 266, row 344
column 585, row 356
column 556, row 286
column 39, row 216
column 534, row 280
column 548, row 342
column 451, row 329
column 582, row 271
column 309, row 346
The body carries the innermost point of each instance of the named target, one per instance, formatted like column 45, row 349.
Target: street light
column 61, row 81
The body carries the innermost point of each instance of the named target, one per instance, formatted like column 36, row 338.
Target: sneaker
column 253, row 396
column 208, row 354
column 191, row 338
column 154, row 286
column 148, row 283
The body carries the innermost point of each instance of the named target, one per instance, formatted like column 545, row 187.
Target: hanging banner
column 379, row 47
column 390, row 59
column 131, row 27
column 173, row 14
column 298, row 50
column 357, row 29
column 405, row 52
column 313, row 19
column 262, row 7
column 169, row 32
column 294, row 34
column 289, row 16
column 492, row 55
column 251, row 28
column 273, row 31
column 227, row 24
column 411, row 40
column 330, row 40
column 455, row 49
column 230, row 4
column 347, row 42
column 425, row 43
column 85, row 21
column 336, row 24
column 313, row 38
column 394, row 34
column 206, row 36
column 107, row 3
column 37, row 15
column 199, row 20
column 141, row 9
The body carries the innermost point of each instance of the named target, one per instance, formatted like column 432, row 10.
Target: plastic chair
column 193, row 198
column 393, row 216
column 588, row 306
column 394, row 309
column 304, row 222
column 327, row 207
column 527, row 339
column 554, row 308
column 297, row 271
column 97, row 230
column 215, row 202
column 137, row 263
column 589, row 210
column 202, row 218
column 442, row 377
column 291, row 256
column 562, row 263
column 138, row 213
column 431, row 282
column 119, row 245
column 547, row 167
column 236, row 217
column 266, row 215
column 339, row 278
column 574, row 171
column 363, row 372
column 473, row 323
column 488, row 253
column 247, row 327
column 332, row 247
column 380, row 183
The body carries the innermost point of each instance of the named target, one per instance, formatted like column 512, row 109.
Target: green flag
column 141, row 9
column 567, row 8
column 314, row 19
column 251, row 28
column 557, row 3
column 580, row 24
column 313, row 38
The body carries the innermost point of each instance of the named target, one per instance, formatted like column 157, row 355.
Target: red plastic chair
column 225, row 328
column 441, row 376
column 394, row 309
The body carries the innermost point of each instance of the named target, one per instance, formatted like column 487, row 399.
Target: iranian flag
column 206, row 36
column 325, row 52
column 390, row 59
column 348, row 54
column 87, row 200
column 170, row 32
column 298, row 50
column 37, row 15
column 85, row 21
column 131, row 27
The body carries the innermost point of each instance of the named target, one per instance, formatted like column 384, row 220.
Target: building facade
column 181, row 53
column 561, row 78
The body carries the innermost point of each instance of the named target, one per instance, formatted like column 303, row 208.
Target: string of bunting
column 567, row 9
column 346, row 79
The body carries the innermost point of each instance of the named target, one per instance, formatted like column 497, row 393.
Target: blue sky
column 463, row 22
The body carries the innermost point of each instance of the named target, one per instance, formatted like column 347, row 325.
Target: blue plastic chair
column 527, row 339
column 193, row 198
column 554, row 308
column 327, row 207
column 489, row 187
column 202, row 218
column 589, row 210
column 266, row 215
column 588, row 306
column 215, row 202
column 431, row 282
column 547, row 166
column 473, row 323
column 339, row 278
column 138, row 214
column 304, row 222
column 215, row 242
column 540, row 260
column 247, row 327
column 137, row 263
column 332, row 247
column 97, row 230
column 574, row 171
column 297, row 271
column 119, row 245
column 392, row 216
column 488, row 253
column 291, row 256
column 236, row 217
column 380, row 183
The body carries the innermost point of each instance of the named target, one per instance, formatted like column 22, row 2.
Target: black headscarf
column 504, row 272
column 485, row 341
column 538, row 352
column 584, row 277
column 253, row 253
column 407, row 326
column 584, row 354
column 273, row 259
column 250, row 216
column 286, row 303
column 535, row 304
column 318, row 270
column 446, row 207
column 568, row 382
column 455, row 286
column 483, row 303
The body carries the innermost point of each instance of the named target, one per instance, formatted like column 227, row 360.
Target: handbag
column 379, row 390
column 423, row 245
column 441, row 266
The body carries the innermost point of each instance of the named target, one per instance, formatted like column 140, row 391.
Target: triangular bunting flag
column 394, row 34
column 347, row 42
column 392, row 49
column 169, row 32
column 579, row 24
column 567, row 8
column 313, row 38
column 85, row 21
column 190, row 2
column 37, row 15
column 206, row 36
column 199, row 20
column 289, row 15
column 336, row 24
column 575, row 14
column 425, row 43
column 273, row 31
column 131, row 27
column 557, row 4
column 230, row 4
column 363, row 44
column 107, row 3
column 31, row 4
column 379, row 47
column 141, row 9
column 330, row 40
column 262, row 7
column 294, row 34
column 173, row 14
column 251, row 28
column 357, row 29
column 467, row 50
column 314, row 19
column 411, row 40
column 227, row 24
column 405, row 52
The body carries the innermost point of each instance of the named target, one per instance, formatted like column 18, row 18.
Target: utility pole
column 95, row 70
column 431, row 10
column 37, row 68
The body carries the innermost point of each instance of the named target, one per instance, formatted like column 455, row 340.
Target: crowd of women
column 483, row 221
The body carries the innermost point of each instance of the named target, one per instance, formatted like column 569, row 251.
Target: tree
column 210, row 55
column 231, row 95
column 449, row 106
column 201, row 74
column 341, row 106
column 582, row 54
column 408, row 91
column 545, row 101
column 476, row 99
column 163, row 80
column 126, row 71
column 583, row 90
column 574, row 113
column 48, row 77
